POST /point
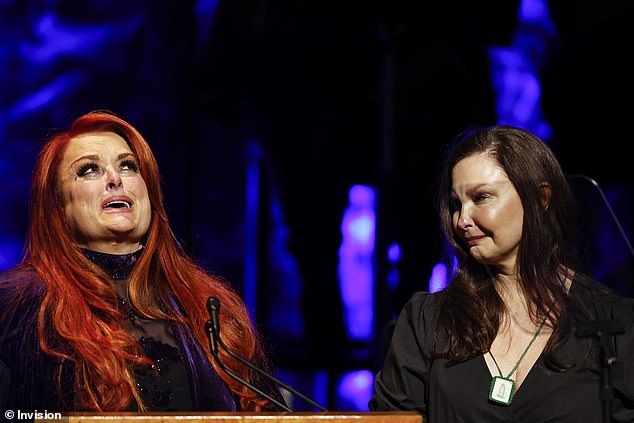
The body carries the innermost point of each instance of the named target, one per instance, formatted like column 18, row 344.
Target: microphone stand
column 212, row 327
column 214, row 351
column 602, row 329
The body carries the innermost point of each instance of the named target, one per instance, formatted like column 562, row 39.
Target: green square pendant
column 502, row 390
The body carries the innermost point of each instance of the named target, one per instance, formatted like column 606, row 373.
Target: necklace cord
column 539, row 329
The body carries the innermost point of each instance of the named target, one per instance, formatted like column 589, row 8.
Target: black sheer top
column 166, row 385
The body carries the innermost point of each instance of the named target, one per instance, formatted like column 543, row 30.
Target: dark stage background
column 263, row 115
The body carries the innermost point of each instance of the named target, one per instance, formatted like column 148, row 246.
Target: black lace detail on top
column 117, row 266
column 165, row 385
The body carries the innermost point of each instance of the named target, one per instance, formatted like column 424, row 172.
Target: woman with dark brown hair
column 511, row 338
column 106, row 312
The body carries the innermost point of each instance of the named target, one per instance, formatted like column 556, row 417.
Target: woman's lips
column 117, row 204
column 474, row 240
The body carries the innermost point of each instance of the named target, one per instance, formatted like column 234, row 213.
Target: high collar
column 117, row 266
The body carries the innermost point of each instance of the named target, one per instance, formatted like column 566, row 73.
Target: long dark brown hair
column 548, row 249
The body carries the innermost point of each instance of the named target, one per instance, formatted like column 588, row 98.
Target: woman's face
column 105, row 198
column 487, row 211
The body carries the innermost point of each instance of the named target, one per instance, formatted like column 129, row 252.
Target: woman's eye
column 88, row 169
column 129, row 165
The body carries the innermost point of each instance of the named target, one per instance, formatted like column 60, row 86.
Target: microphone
column 212, row 327
column 213, row 324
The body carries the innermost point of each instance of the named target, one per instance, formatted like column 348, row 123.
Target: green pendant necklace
column 503, row 388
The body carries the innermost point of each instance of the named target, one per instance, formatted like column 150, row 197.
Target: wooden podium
column 216, row 417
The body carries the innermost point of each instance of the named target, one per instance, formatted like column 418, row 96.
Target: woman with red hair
column 106, row 312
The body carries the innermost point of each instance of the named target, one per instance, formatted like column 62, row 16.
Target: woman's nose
column 464, row 219
column 113, row 179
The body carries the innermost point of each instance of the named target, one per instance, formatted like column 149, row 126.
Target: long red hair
column 79, row 320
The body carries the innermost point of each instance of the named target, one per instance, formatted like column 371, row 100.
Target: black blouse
column 413, row 379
